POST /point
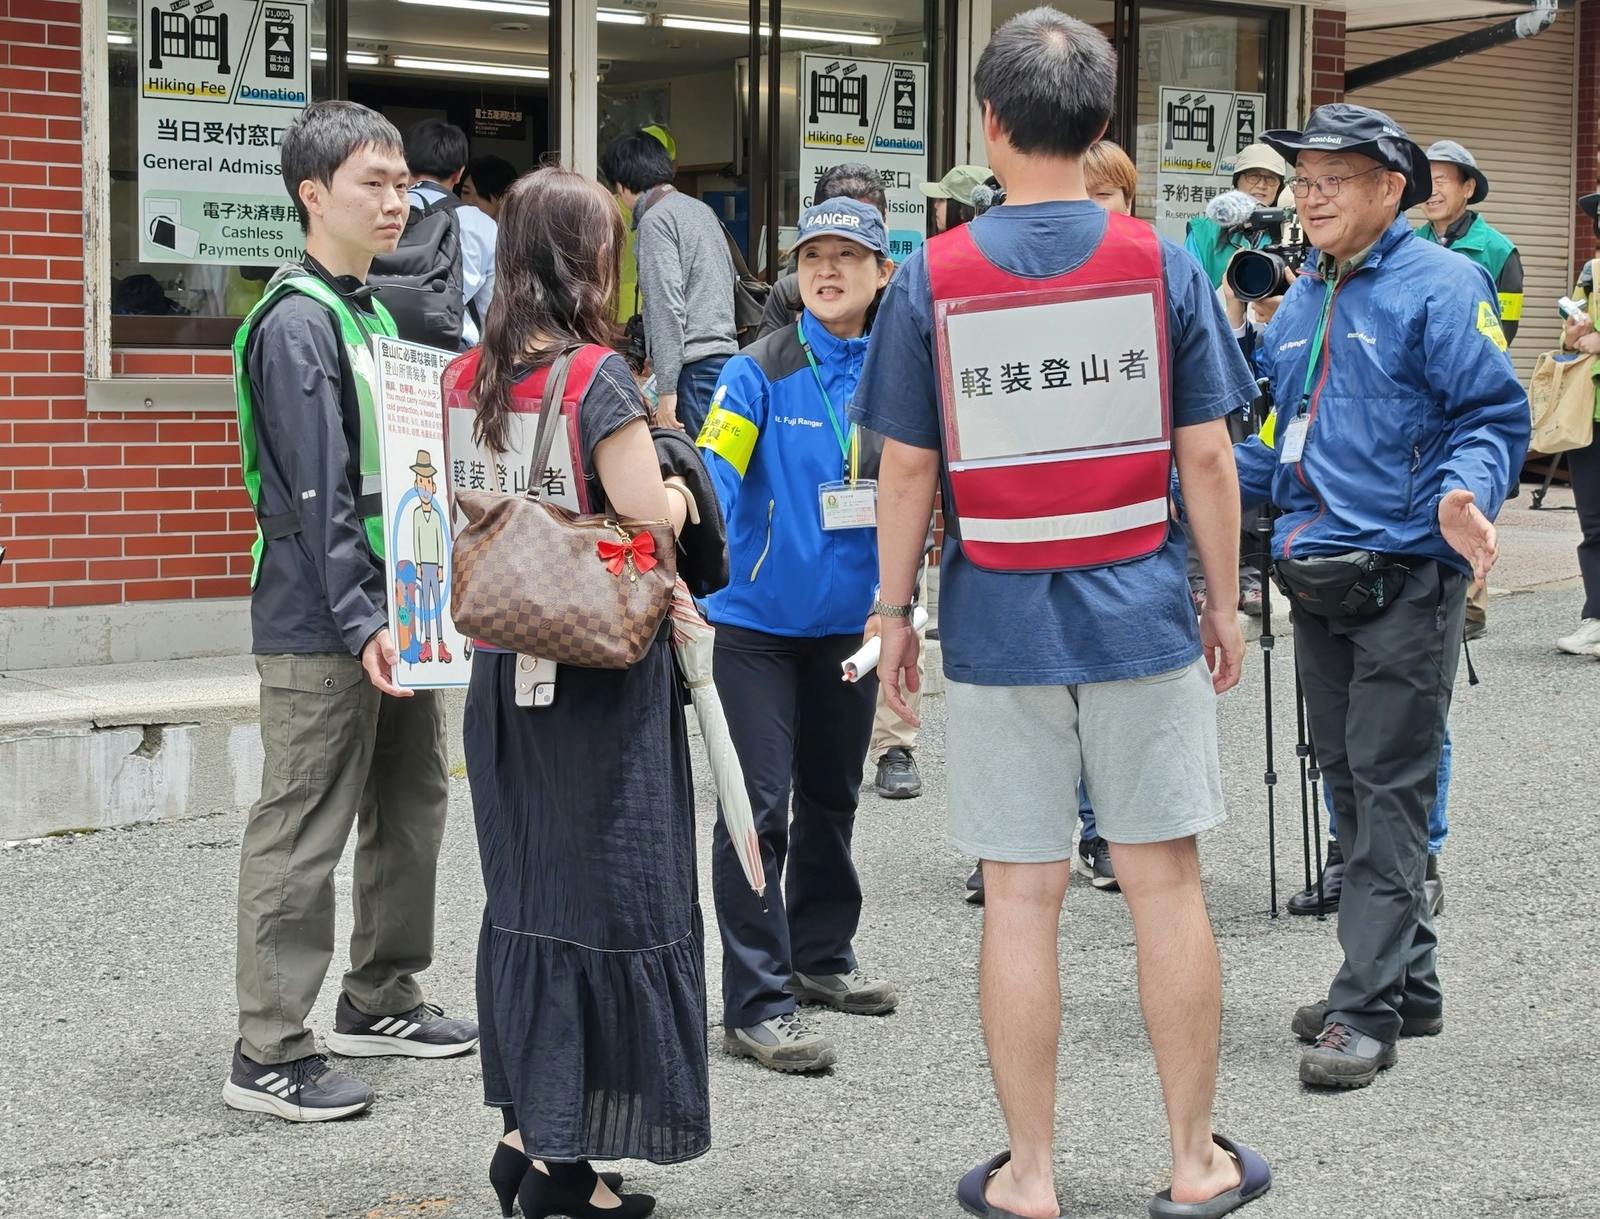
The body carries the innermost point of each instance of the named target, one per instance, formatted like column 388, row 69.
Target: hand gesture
column 1223, row 644
column 897, row 667
column 1575, row 332
column 1470, row 534
column 379, row 659
column 666, row 413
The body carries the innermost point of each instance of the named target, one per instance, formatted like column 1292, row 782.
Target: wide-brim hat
column 1590, row 204
column 958, row 184
column 424, row 464
column 1343, row 127
column 1449, row 152
column 1259, row 156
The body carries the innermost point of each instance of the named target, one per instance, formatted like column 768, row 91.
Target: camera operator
column 1399, row 424
column 1259, row 172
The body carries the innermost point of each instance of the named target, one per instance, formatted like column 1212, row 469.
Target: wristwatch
column 891, row 611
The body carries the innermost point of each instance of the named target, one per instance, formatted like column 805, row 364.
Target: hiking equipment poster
column 220, row 81
column 418, row 540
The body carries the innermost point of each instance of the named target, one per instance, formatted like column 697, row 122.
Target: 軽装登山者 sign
column 220, row 81
column 872, row 112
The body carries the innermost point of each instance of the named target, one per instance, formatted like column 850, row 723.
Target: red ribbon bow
column 641, row 550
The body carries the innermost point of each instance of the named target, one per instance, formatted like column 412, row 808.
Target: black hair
column 1050, row 81
column 636, row 162
column 324, row 137
column 435, row 149
column 491, row 176
column 853, row 180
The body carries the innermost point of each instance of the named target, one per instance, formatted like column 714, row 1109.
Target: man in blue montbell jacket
column 803, row 562
column 1398, row 427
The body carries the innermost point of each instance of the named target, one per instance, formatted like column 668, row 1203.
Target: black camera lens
column 1256, row 274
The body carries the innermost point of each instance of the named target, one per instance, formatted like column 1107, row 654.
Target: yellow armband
column 1510, row 306
column 1269, row 429
column 730, row 436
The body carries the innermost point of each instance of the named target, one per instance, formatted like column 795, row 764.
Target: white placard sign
column 1202, row 133
column 417, row 535
column 220, row 81
column 472, row 469
column 1054, row 377
column 875, row 112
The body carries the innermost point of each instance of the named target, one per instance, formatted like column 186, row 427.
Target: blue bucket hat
column 1451, row 153
column 1343, row 127
column 860, row 222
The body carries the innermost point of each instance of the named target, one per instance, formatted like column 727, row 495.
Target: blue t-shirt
column 1132, row 619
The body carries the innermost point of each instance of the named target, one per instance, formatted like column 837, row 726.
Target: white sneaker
column 1585, row 641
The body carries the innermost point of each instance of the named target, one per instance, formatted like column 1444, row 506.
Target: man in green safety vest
column 1458, row 183
column 342, row 742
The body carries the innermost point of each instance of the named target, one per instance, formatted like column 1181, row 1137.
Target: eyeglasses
column 1328, row 184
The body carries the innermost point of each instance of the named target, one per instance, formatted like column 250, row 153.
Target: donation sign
column 1202, row 133
column 875, row 112
column 1078, row 370
column 416, row 515
column 219, row 83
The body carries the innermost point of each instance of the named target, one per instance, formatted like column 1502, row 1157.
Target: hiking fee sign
column 1202, row 133
column 220, row 81
column 875, row 112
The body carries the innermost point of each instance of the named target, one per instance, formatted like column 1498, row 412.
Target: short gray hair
column 1050, row 81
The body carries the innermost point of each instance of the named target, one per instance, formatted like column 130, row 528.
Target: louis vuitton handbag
column 534, row 578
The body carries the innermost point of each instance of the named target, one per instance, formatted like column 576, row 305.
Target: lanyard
column 848, row 449
column 1316, row 347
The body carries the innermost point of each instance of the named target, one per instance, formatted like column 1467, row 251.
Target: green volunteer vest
column 356, row 333
column 1490, row 249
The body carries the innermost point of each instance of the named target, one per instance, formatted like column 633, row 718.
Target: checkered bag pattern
column 527, row 576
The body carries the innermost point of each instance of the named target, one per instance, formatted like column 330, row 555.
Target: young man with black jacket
column 344, row 745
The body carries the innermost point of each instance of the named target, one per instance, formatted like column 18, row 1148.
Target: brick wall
column 94, row 508
column 1327, row 57
column 1585, row 169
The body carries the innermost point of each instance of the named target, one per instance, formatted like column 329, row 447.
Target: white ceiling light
column 120, row 40
column 612, row 16
column 799, row 34
column 530, row 8
column 471, row 69
column 360, row 59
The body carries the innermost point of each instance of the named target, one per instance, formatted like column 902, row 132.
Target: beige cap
column 1259, row 156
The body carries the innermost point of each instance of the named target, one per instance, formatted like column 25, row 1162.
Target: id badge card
column 847, row 505
column 1293, row 444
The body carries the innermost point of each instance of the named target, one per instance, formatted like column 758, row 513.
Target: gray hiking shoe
column 853, row 992
column 783, row 1043
column 1308, row 1021
column 1345, row 1058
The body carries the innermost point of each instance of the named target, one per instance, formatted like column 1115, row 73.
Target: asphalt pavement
column 117, row 1003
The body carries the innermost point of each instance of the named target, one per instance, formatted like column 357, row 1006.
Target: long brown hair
column 556, row 268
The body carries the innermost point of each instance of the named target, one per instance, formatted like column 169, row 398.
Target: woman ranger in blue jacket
column 803, row 557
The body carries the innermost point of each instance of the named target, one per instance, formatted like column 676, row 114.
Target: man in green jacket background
column 1458, row 183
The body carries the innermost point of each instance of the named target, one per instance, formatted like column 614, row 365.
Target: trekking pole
column 1302, row 750
column 1270, row 778
column 1314, row 774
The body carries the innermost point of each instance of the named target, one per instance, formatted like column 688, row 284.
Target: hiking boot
column 444, row 653
column 897, row 775
column 1345, row 1058
column 783, row 1043
column 423, row 1032
column 853, row 992
column 1250, row 601
column 975, row 885
column 1094, row 861
column 1433, row 887
column 1305, row 901
column 1309, row 1021
column 304, row 1090
column 426, row 655
column 1585, row 641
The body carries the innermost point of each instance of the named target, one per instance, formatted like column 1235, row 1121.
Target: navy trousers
column 800, row 732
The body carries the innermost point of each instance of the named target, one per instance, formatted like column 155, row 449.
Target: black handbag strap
column 555, row 388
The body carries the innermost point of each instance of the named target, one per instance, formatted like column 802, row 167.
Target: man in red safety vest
column 1030, row 362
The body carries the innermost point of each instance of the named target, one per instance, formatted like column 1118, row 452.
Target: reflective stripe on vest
column 355, row 331
column 1058, row 511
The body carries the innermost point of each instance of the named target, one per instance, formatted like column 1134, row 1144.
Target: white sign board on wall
column 1202, row 132
column 220, row 81
column 873, row 111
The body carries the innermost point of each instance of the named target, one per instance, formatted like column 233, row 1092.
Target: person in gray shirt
column 685, row 279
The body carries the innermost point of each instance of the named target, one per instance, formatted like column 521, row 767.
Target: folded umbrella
column 693, row 638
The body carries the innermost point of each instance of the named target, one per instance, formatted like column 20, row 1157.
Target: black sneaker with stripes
column 304, row 1090
column 423, row 1032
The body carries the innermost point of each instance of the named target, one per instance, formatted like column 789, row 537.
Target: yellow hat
column 663, row 137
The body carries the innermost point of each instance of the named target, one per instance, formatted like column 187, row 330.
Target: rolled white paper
column 866, row 659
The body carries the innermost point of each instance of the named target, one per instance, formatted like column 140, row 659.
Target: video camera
column 1257, row 274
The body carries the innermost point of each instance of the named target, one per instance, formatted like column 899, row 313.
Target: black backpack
column 420, row 282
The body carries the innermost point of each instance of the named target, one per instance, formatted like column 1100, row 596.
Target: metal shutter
column 1513, row 107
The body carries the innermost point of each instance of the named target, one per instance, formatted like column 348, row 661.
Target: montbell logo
column 842, row 220
column 1324, row 139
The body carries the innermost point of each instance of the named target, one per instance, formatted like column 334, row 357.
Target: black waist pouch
column 1356, row 584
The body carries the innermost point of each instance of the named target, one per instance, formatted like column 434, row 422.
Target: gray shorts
column 1145, row 748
